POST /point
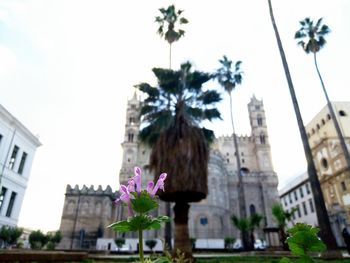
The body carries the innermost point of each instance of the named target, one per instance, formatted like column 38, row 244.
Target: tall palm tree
column 321, row 211
column 179, row 144
column 311, row 38
column 229, row 77
column 170, row 16
column 282, row 217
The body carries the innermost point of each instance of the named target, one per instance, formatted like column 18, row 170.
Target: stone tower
column 259, row 134
column 129, row 144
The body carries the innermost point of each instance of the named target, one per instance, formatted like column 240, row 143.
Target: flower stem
column 141, row 245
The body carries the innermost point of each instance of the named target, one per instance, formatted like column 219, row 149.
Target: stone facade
column 210, row 218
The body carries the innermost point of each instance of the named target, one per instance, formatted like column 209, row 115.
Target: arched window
column 342, row 113
column 262, row 138
column 130, row 137
column 244, row 171
column 252, row 210
column 328, row 116
column 259, row 120
column 318, row 126
column 323, row 122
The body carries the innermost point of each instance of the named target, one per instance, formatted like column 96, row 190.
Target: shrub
column 151, row 243
column 119, row 242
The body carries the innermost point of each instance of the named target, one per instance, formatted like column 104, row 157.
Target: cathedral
column 87, row 211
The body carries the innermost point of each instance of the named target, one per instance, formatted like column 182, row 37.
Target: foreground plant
column 302, row 242
column 140, row 203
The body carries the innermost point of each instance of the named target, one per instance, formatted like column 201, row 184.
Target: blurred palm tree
column 311, row 38
column 180, row 146
column 229, row 77
column 246, row 226
column 167, row 21
column 321, row 211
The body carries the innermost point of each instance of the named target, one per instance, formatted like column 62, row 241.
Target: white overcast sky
column 68, row 67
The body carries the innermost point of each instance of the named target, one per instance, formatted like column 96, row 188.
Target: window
column 313, row 131
column 252, row 210
column 0, row 138
column 2, row 196
column 259, row 120
column 311, row 205
column 290, row 198
column 130, row 137
column 13, row 157
column 131, row 120
column 262, row 138
column 23, row 161
column 324, row 163
column 295, row 195
column 285, row 201
column 307, row 188
column 11, row 203
column 293, row 214
column 328, row 116
column 342, row 113
column 228, row 160
column 323, row 122
column 242, row 160
column 318, row 126
column 298, row 211
column 203, row 221
column 301, row 192
column 343, row 186
column 304, row 208
column 257, row 107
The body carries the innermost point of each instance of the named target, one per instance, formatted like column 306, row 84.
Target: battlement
column 89, row 191
column 241, row 138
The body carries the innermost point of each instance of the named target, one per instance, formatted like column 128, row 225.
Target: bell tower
column 259, row 134
column 130, row 144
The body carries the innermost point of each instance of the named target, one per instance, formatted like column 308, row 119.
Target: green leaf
column 143, row 203
column 162, row 260
column 121, row 226
column 285, row 260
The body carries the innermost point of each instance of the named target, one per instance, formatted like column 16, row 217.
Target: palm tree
column 321, row 211
column 229, row 78
column 170, row 16
column 179, row 144
column 247, row 226
column 311, row 38
column 282, row 217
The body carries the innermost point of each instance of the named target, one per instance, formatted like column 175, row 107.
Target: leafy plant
column 229, row 241
column 38, row 239
column 140, row 203
column 303, row 240
column 151, row 243
column 9, row 235
column 119, row 242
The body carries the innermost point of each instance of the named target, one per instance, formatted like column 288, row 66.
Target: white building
column 297, row 194
column 17, row 149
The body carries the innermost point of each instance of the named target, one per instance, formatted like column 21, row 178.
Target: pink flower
column 159, row 184
column 137, row 178
column 125, row 198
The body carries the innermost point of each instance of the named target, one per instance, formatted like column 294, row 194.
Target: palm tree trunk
column 321, row 211
column 182, row 239
column 168, row 234
column 334, row 118
column 241, row 197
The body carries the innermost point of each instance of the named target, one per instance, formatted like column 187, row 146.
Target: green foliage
column 143, row 202
column 178, row 93
column 282, row 216
column 170, row 16
column 151, row 243
column 229, row 241
column 119, row 242
column 37, row 239
column 9, row 235
column 139, row 222
column 302, row 241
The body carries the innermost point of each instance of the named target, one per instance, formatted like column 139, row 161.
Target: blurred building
column 297, row 195
column 330, row 163
column 17, row 149
column 87, row 212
